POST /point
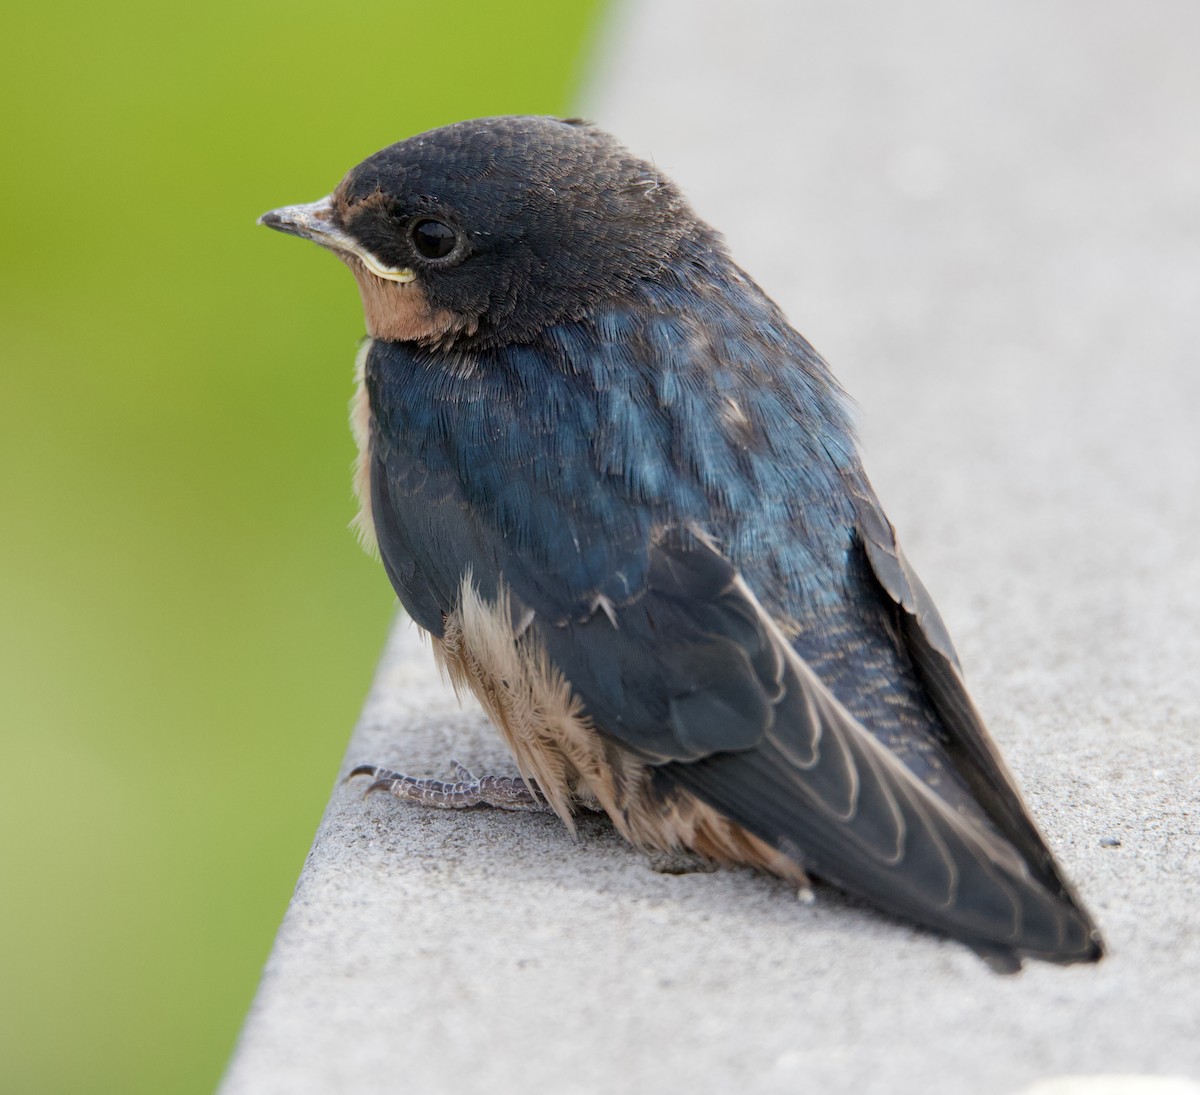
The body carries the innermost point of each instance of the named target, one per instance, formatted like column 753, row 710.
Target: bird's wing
column 767, row 744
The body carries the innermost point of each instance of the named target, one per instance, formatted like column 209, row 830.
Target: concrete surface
column 987, row 216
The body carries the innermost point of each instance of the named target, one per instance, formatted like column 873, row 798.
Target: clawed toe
column 679, row 862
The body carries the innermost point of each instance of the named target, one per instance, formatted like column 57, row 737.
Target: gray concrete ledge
column 985, row 215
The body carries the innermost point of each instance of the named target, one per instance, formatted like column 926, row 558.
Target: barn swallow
column 623, row 497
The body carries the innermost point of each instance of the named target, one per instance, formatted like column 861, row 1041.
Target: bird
column 624, row 499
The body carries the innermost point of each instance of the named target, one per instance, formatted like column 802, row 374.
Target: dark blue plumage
column 602, row 424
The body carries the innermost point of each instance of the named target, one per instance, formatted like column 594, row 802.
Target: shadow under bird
column 622, row 495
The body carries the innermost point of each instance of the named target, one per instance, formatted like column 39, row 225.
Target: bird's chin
column 400, row 312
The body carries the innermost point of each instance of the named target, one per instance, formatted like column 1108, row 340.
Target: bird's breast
column 360, row 428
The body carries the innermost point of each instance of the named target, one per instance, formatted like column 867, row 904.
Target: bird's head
column 496, row 229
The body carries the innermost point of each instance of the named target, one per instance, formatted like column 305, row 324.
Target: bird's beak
column 315, row 222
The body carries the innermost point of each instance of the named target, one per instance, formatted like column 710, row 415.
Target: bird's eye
column 433, row 239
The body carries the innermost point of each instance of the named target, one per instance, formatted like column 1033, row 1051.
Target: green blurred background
column 187, row 626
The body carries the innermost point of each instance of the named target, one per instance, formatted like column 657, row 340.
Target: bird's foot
column 679, row 862
column 502, row 792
